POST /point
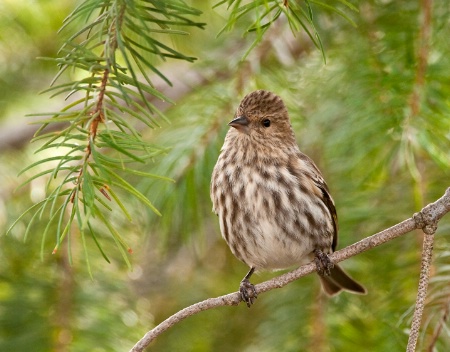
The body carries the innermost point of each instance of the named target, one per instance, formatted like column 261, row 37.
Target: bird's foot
column 323, row 263
column 248, row 292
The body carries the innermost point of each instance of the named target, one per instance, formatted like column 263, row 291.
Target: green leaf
column 120, row 182
column 47, row 228
column 121, row 244
column 36, row 205
column 147, row 175
column 41, row 174
column 88, row 189
column 112, row 144
column 336, row 10
column 92, row 232
column 86, row 256
column 60, row 235
column 62, row 158
column 120, row 204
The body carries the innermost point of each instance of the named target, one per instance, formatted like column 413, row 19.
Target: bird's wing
column 324, row 195
column 328, row 201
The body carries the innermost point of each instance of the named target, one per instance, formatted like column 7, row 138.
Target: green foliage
column 99, row 142
column 355, row 116
column 113, row 47
column 262, row 14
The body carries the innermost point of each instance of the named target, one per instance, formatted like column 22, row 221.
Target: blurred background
column 375, row 117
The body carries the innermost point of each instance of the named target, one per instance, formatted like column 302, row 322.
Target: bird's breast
column 265, row 216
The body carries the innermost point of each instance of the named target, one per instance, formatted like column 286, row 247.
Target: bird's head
column 263, row 115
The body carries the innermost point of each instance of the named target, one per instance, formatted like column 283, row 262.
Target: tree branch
column 427, row 252
column 426, row 220
column 98, row 117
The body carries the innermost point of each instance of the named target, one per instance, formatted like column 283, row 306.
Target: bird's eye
column 266, row 123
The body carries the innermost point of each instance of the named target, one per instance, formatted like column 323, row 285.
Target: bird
column 274, row 207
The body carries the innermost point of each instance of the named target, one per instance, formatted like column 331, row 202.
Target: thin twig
column 426, row 219
column 421, row 292
column 98, row 113
column 422, row 57
column 98, row 116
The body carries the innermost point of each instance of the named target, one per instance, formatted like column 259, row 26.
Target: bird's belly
column 277, row 249
column 269, row 222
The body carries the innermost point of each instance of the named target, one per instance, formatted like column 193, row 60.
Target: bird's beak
column 240, row 123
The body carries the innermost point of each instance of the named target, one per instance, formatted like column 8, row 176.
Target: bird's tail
column 338, row 280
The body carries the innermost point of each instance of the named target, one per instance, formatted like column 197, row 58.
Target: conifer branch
column 90, row 159
column 98, row 117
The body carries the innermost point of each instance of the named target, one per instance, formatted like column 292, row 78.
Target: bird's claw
column 248, row 292
column 323, row 263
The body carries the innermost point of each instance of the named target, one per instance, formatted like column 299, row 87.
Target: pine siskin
column 274, row 207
